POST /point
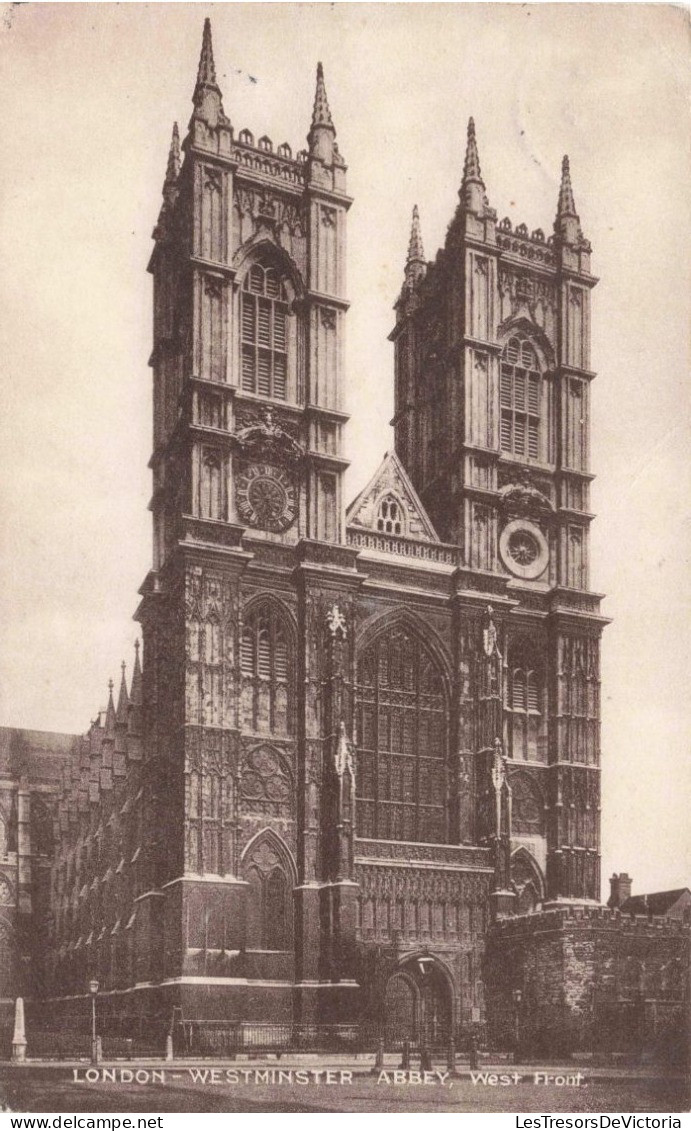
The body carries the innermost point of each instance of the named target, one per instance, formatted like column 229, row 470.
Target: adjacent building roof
column 655, row 903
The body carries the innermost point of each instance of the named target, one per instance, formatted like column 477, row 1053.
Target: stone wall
column 588, row 979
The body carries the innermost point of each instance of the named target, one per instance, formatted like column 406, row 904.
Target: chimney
column 620, row 890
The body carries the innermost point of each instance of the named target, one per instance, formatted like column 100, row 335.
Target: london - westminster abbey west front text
column 354, row 743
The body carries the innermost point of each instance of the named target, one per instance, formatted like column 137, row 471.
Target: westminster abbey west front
column 360, row 757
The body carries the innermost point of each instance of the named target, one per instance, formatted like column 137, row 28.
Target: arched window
column 264, row 321
column 210, row 487
column 266, row 664
column 269, row 898
column 521, row 399
column 525, row 705
column 390, row 516
column 402, row 740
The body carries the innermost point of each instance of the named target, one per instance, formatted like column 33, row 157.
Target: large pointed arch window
column 267, row 667
column 520, row 394
column 402, row 741
column 265, row 332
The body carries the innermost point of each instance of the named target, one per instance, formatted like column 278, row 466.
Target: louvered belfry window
column 267, row 673
column 402, row 742
column 525, row 707
column 264, row 332
column 520, row 395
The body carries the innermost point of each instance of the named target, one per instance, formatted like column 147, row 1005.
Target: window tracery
column 391, row 515
column 402, row 741
column 269, row 900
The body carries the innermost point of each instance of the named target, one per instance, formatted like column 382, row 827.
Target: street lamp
column 517, row 999
column 93, row 990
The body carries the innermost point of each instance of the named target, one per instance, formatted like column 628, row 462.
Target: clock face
column 524, row 550
column 265, row 497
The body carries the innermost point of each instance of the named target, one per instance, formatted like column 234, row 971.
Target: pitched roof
column 655, row 903
column 392, row 478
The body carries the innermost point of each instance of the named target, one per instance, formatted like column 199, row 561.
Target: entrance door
column 435, row 1009
column 401, row 1010
column 418, row 1007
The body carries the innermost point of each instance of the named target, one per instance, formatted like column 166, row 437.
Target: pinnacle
column 416, row 253
column 136, row 686
column 471, row 165
column 123, row 698
column 110, row 710
column 206, row 74
column 173, row 167
column 321, row 115
column 566, row 205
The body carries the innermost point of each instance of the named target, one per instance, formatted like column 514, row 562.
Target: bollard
column 405, row 1058
column 451, row 1057
column 19, row 1037
column 128, row 1047
column 425, row 1059
column 169, row 1046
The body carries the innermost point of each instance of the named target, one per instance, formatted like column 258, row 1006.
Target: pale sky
column 89, row 93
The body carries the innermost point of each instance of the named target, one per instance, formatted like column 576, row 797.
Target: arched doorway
column 418, row 1005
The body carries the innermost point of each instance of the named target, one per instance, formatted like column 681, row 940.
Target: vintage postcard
column 344, row 728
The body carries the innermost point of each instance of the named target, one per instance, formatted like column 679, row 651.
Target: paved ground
column 187, row 1089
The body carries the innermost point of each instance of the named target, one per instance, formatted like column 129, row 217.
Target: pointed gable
column 389, row 504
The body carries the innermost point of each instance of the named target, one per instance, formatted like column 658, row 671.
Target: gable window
column 390, row 519
column 264, row 316
column 520, row 394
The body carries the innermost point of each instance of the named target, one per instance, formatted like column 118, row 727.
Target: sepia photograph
column 344, row 499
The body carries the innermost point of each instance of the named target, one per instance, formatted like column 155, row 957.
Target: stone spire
column 567, row 224
column 123, row 698
column 134, row 720
column 136, row 687
column 207, row 97
column 206, row 72
column 472, row 191
column 321, row 115
column 173, row 167
column 566, row 205
column 416, row 252
column 109, row 725
column 415, row 263
column 322, row 132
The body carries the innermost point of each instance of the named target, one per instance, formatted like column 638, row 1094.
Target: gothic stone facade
column 350, row 746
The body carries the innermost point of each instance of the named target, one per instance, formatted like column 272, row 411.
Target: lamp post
column 93, row 990
column 517, row 999
column 425, row 964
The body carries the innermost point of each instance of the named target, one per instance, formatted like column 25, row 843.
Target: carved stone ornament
column 344, row 754
column 498, row 767
column 522, row 497
column 336, row 622
column 263, row 777
column 5, row 891
column 489, row 635
column 261, row 435
column 266, row 497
